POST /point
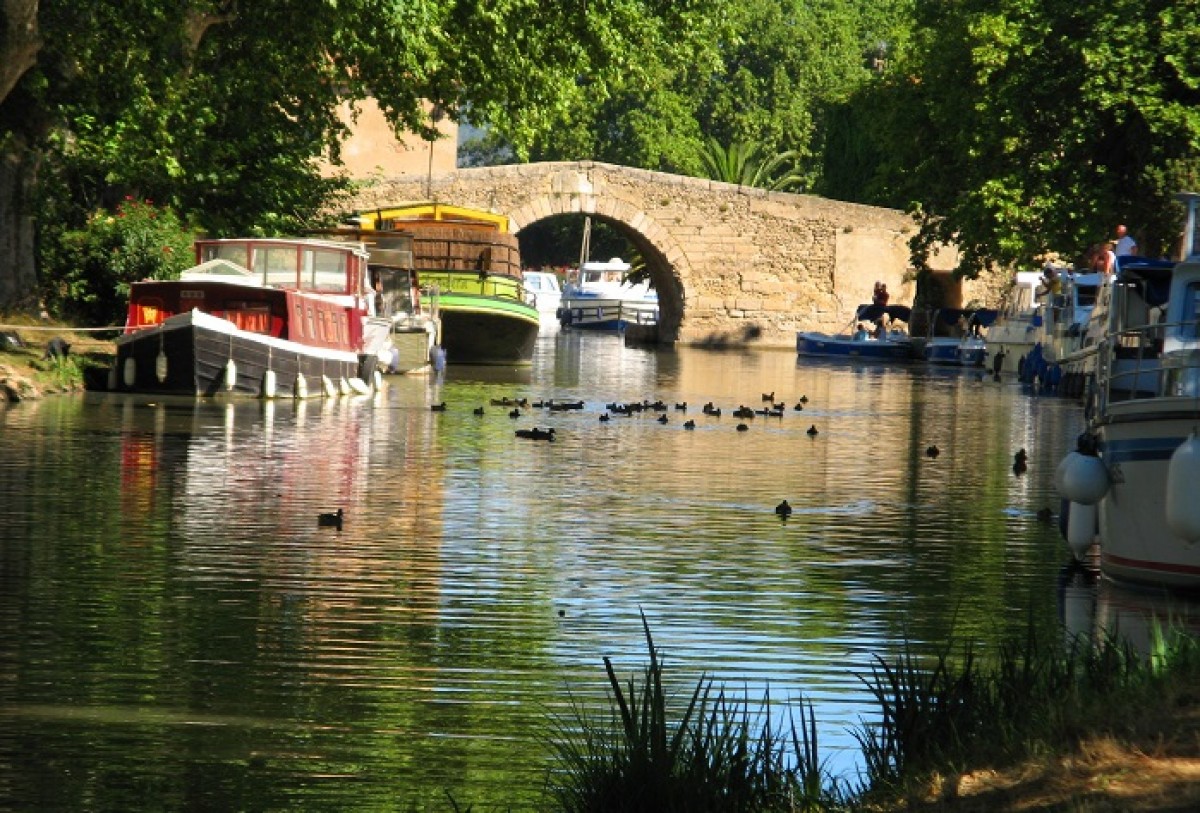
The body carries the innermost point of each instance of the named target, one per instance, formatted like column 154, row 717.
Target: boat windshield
column 1085, row 295
column 307, row 266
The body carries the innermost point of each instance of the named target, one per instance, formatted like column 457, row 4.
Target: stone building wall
column 732, row 265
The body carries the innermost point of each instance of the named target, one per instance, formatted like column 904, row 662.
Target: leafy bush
column 87, row 272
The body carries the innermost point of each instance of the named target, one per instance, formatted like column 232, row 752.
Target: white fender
column 1183, row 473
column 301, row 388
column 327, row 387
column 1081, row 528
column 1084, row 478
column 268, row 384
column 230, row 374
column 160, row 367
column 129, row 372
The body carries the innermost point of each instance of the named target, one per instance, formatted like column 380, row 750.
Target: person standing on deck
column 1125, row 243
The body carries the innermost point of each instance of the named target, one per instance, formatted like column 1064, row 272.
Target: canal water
column 178, row 632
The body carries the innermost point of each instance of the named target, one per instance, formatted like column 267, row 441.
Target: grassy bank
column 28, row 371
column 1036, row 725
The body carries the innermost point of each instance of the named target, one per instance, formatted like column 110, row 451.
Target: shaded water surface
column 177, row 632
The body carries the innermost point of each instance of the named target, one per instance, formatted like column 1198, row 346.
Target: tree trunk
column 20, row 42
column 18, row 272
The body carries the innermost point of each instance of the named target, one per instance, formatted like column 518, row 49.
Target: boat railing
column 612, row 310
column 1160, row 360
column 471, row 282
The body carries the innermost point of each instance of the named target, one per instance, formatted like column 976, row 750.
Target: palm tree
column 742, row 163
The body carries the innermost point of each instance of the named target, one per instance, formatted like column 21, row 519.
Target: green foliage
column 228, row 112
column 716, row 755
column 1015, row 128
column 88, row 273
column 766, row 76
column 745, row 165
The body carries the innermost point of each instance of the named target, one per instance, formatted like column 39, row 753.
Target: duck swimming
column 1019, row 465
column 783, row 510
column 933, row 451
column 332, row 519
column 812, row 430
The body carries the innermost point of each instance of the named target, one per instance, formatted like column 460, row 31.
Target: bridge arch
column 733, row 265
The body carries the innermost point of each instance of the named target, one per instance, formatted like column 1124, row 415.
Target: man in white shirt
column 1125, row 243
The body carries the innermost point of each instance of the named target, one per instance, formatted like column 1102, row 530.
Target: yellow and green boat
column 470, row 263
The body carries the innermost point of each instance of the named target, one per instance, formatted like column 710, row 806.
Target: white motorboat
column 1131, row 482
column 544, row 288
column 599, row 297
column 1037, row 330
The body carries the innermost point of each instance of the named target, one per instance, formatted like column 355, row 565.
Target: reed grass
column 941, row 714
column 714, row 752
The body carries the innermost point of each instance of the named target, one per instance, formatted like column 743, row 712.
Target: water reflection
column 176, row 630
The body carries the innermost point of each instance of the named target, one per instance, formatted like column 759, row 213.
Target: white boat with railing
column 1037, row 329
column 1131, row 484
column 598, row 296
column 1137, row 296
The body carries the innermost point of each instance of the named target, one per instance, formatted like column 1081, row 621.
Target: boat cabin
column 313, row 291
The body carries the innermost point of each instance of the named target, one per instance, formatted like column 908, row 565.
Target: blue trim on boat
column 1140, row 449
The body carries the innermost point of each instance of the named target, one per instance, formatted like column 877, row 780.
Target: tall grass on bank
column 715, row 753
column 941, row 715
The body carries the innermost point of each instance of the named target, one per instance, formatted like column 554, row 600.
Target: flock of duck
column 775, row 410
column 743, row 412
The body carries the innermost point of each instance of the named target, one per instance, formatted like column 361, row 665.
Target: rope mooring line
column 62, row 329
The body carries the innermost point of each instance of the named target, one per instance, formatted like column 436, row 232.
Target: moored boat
column 544, row 288
column 967, row 349
column 1040, row 326
column 1136, row 296
column 472, row 262
column 886, row 343
column 599, row 296
column 287, row 317
column 1131, row 482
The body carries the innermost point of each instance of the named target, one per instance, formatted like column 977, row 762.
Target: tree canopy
column 220, row 108
column 1015, row 127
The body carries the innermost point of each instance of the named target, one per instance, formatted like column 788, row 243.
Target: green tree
column 775, row 70
column 220, row 109
column 1014, row 127
column 743, row 163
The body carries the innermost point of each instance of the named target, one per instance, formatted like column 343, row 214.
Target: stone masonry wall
column 733, row 265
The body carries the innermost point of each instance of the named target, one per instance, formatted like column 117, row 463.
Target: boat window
column 312, row 322
column 327, row 268
column 233, row 252
column 277, row 266
column 1191, row 311
column 254, row 317
column 1085, row 295
column 297, row 328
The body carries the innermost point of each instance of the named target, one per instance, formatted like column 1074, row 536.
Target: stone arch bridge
column 733, row 265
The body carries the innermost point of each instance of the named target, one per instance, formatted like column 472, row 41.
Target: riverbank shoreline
column 28, row 370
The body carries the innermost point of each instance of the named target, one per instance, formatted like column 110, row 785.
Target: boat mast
column 585, row 249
